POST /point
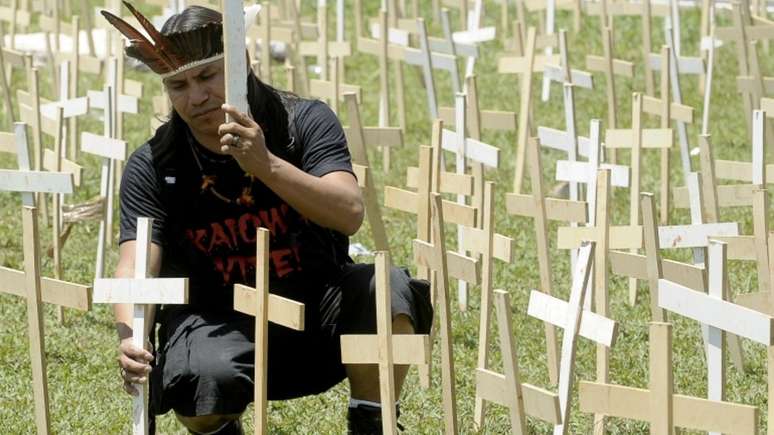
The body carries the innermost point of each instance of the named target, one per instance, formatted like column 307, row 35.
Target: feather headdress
column 172, row 53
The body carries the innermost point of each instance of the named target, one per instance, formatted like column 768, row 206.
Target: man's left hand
column 242, row 138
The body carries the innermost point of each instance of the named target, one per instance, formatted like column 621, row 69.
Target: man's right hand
column 134, row 365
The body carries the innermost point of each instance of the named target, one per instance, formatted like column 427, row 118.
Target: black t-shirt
column 211, row 241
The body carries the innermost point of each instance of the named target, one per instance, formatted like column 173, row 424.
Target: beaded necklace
column 245, row 198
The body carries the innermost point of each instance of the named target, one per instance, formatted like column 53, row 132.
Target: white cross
column 142, row 291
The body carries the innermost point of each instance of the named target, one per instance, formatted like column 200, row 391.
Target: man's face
column 197, row 95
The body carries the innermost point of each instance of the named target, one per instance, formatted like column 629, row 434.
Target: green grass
column 84, row 386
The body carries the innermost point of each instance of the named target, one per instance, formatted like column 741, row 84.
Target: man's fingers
column 135, row 353
column 235, row 129
column 240, row 117
column 129, row 388
column 132, row 367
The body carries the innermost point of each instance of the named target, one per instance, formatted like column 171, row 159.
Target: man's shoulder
column 307, row 107
column 142, row 156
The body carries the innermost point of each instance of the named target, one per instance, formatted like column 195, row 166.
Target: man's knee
column 219, row 371
column 205, row 424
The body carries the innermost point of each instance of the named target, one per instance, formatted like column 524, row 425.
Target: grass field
column 85, row 391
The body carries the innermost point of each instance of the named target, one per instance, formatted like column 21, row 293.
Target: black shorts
column 205, row 361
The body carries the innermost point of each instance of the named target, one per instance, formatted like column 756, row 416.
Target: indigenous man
column 208, row 185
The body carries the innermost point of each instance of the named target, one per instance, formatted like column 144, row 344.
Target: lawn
column 84, row 386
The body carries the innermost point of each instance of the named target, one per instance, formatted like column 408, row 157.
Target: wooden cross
column 658, row 404
column 234, row 55
column 322, row 48
column 636, row 139
column 28, row 283
column 489, row 245
column 118, row 105
column 610, row 67
column 576, row 321
column 562, row 73
column 143, row 291
column 609, row 10
column 78, row 63
column 384, row 51
column 587, row 173
column 524, row 65
column 666, row 110
column 382, row 136
column 15, row 17
column 506, row 388
column 266, row 308
column 110, row 149
column 385, row 348
column 542, row 209
column 333, row 90
column 479, row 154
column 478, row 119
column 418, row 203
column 676, row 66
column 743, row 34
column 356, row 141
column 444, row 265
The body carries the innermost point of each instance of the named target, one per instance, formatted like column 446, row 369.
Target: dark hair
column 267, row 105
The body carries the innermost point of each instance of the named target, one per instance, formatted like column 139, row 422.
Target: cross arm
column 476, row 150
column 459, row 266
column 460, row 184
column 564, row 210
column 594, row 327
column 651, row 138
column 620, row 67
column 141, row 290
column 539, row 403
column 721, row 314
column 635, row 266
column 475, row 239
column 407, row 349
column 282, row 311
column 36, row 181
column 677, row 111
column 52, row 291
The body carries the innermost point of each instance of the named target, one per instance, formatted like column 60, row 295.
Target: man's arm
column 333, row 200
column 133, row 361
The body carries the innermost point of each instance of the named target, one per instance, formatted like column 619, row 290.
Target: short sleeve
column 323, row 140
column 140, row 196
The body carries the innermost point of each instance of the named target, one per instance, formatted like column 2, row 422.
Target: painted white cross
column 576, row 321
column 142, row 291
column 720, row 315
column 110, row 149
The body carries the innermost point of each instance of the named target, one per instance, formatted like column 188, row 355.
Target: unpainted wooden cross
column 610, row 67
column 385, row 348
column 265, row 307
column 658, row 404
column 357, row 141
column 487, row 244
column 478, row 154
column 542, row 209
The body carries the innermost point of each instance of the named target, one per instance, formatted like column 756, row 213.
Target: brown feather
column 161, row 43
column 140, row 47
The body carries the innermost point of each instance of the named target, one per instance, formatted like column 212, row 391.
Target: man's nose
column 199, row 94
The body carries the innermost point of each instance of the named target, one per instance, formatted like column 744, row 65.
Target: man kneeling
column 208, row 185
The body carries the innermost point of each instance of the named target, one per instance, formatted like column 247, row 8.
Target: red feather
column 140, row 44
column 160, row 41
